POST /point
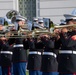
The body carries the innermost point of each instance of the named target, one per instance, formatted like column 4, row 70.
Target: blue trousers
column 35, row 72
column 0, row 70
column 6, row 70
column 19, row 68
column 50, row 73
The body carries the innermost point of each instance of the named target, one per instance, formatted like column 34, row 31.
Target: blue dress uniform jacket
column 19, row 57
column 34, row 58
column 67, row 53
column 49, row 62
column 19, row 53
column 6, row 55
column 1, row 43
column 0, row 57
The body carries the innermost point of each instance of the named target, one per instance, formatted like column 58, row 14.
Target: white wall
column 6, row 5
column 54, row 9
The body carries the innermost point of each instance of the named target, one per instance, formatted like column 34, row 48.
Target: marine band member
column 19, row 53
column 67, row 45
column 6, row 56
column 49, row 58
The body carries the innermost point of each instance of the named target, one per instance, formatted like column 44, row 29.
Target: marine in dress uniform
column 62, row 22
column 41, row 22
column 6, row 57
column 35, row 22
column 29, row 25
column 67, row 45
column 19, row 21
column 0, row 61
column 34, row 58
column 1, row 28
column 19, row 53
column 49, row 62
column 19, row 58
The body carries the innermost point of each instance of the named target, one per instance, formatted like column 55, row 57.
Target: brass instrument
column 12, row 13
column 62, row 26
column 35, row 33
column 24, row 34
column 69, row 27
column 16, row 34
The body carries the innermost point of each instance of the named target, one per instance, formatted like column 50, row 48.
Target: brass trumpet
column 69, row 27
column 25, row 34
column 35, row 33
column 62, row 26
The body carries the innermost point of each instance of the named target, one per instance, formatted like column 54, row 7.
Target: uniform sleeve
column 5, row 47
column 48, row 43
column 39, row 45
column 25, row 44
column 1, row 44
column 57, row 44
column 67, row 41
column 71, row 43
column 11, row 41
column 31, row 44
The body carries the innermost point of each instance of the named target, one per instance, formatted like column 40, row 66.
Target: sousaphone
column 11, row 15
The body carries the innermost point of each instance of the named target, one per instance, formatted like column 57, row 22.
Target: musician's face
column 21, row 23
column 57, row 31
column 64, row 30
column 3, row 38
column 1, row 27
column 74, row 21
column 70, row 22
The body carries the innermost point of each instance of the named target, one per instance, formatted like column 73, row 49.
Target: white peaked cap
column 40, row 20
column 19, row 17
column 72, row 15
column 62, row 21
column 35, row 18
column 69, row 16
column 38, row 26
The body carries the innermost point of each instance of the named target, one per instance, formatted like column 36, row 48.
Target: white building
column 6, row 5
column 53, row 9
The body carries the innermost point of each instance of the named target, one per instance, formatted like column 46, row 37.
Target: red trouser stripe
column 74, row 74
column 9, row 71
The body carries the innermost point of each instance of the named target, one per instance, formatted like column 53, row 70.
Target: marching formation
column 42, row 50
